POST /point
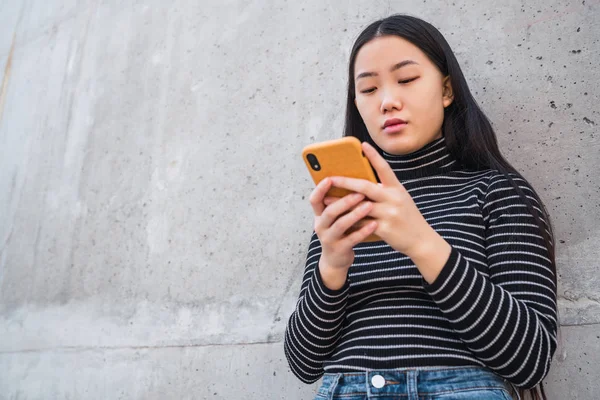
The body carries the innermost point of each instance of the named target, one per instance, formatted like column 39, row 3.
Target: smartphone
column 339, row 157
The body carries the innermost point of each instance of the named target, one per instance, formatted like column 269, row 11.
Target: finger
column 330, row 200
column 377, row 211
column 333, row 212
column 317, row 195
column 358, row 236
column 361, row 223
column 384, row 171
column 342, row 224
column 371, row 190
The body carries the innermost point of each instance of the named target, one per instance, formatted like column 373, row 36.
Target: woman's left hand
column 399, row 222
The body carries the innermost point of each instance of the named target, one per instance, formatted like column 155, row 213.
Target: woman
column 458, row 300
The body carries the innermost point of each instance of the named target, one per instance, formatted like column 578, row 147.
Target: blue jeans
column 460, row 383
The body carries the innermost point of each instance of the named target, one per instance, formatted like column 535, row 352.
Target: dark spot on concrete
column 489, row 62
column 550, row 124
column 569, row 105
column 7, row 69
column 538, row 58
column 588, row 121
column 575, row 51
column 552, row 105
column 578, row 29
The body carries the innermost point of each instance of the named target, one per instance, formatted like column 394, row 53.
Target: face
column 395, row 79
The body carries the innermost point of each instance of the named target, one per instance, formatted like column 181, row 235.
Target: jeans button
column 378, row 381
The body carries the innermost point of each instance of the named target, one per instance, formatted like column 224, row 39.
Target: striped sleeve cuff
column 322, row 310
column 324, row 304
column 332, row 294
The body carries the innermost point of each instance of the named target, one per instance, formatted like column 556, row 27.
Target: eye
column 371, row 90
column 407, row 80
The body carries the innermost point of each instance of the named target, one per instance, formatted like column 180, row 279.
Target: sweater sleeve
column 314, row 326
column 507, row 319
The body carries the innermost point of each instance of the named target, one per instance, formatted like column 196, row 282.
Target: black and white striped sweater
column 493, row 304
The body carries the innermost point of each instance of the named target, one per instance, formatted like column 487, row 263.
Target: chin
column 399, row 145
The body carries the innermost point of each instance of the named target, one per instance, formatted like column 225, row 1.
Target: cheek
column 431, row 105
column 366, row 109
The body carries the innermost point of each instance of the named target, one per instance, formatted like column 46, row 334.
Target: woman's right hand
column 337, row 254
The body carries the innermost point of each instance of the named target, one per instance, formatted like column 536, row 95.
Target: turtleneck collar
column 432, row 159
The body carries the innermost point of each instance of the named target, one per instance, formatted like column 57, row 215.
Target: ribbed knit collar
column 432, row 159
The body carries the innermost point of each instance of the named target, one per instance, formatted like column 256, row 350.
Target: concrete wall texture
column 153, row 202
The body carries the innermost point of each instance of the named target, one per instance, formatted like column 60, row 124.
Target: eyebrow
column 395, row 67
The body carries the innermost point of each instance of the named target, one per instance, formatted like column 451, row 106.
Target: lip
column 393, row 121
column 394, row 125
column 394, row 128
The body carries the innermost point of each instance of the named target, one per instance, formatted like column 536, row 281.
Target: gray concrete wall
column 153, row 211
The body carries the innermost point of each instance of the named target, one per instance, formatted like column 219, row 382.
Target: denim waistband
column 424, row 381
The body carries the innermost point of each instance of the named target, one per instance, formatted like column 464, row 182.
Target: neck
column 432, row 159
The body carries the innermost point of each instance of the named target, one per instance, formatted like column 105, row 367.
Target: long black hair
column 470, row 138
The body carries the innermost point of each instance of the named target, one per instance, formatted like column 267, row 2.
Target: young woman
column 458, row 300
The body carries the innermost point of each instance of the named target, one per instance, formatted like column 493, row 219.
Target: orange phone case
column 339, row 157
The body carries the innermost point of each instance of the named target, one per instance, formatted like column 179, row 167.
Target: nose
column 390, row 101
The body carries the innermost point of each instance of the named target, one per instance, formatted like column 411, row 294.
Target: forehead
column 379, row 54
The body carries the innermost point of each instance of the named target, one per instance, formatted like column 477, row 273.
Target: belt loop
column 333, row 385
column 411, row 383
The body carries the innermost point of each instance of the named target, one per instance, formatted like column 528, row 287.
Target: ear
column 447, row 92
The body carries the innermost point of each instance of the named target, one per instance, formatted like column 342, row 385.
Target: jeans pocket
column 475, row 394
